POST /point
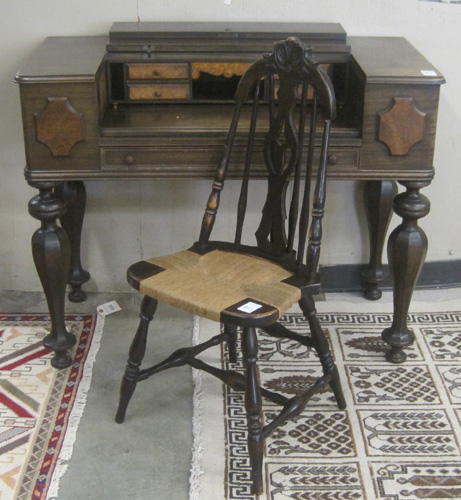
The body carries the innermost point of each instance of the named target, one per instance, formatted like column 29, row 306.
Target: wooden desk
column 135, row 105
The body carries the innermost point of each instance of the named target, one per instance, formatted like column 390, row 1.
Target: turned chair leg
column 253, row 406
column 322, row 348
column 231, row 331
column 136, row 355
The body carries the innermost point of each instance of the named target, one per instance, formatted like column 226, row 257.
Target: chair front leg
column 231, row 332
column 322, row 347
column 253, row 406
column 136, row 355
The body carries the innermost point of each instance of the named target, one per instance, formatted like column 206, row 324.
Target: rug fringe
column 197, row 420
column 77, row 411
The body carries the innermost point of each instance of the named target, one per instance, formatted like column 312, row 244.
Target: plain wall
column 132, row 219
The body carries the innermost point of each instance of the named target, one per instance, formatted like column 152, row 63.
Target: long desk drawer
column 201, row 160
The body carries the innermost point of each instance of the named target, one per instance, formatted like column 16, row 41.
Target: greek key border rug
column 399, row 439
column 40, row 407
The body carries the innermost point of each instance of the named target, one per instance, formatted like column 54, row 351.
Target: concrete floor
column 148, row 457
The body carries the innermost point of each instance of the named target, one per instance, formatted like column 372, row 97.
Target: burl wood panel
column 217, row 69
column 59, row 126
column 147, row 71
column 402, row 126
column 154, row 92
column 376, row 157
column 85, row 154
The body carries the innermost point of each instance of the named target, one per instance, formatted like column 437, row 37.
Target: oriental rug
column 399, row 438
column 40, row 407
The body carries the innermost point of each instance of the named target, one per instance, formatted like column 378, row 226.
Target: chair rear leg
column 136, row 355
column 322, row 347
column 231, row 331
column 253, row 406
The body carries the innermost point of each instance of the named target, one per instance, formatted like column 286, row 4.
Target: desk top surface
column 66, row 56
column 381, row 59
column 392, row 58
column 218, row 29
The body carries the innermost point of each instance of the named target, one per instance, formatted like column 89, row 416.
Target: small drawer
column 158, row 92
column 176, row 159
column 148, row 71
column 341, row 160
column 121, row 159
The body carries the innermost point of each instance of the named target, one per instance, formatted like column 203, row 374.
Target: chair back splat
column 248, row 288
column 302, row 89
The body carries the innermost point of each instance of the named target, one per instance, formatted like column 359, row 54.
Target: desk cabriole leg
column 378, row 196
column 51, row 252
column 74, row 195
column 407, row 249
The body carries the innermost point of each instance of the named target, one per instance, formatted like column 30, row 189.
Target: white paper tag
column 249, row 307
column 108, row 308
column 428, row 72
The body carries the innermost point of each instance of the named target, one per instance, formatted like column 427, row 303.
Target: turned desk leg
column 74, row 195
column 51, row 252
column 378, row 196
column 407, row 249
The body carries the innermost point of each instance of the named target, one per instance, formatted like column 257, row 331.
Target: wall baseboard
column 347, row 277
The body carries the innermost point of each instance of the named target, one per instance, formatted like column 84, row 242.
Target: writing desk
column 153, row 100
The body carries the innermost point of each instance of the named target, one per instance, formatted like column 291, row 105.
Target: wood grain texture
column 149, row 71
column 226, row 69
column 162, row 91
column 402, row 126
column 59, row 126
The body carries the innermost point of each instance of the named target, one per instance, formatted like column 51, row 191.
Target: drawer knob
column 156, row 72
column 332, row 159
column 128, row 160
column 158, row 93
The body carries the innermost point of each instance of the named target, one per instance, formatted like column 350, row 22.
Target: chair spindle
column 242, row 204
column 318, row 208
column 304, row 218
column 294, row 207
column 218, row 184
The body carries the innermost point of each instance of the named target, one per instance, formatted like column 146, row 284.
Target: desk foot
column 62, row 359
column 51, row 253
column 407, row 249
column 372, row 290
column 77, row 294
column 378, row 196
column 73, row 194
column 397, row 340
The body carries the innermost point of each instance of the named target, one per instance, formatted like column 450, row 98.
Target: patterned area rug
column 399, row 438
column 40, row 407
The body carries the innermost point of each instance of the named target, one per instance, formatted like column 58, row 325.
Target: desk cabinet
column 154, row 100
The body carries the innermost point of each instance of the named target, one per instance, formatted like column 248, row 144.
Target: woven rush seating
column 217, row 284
column 247, row 288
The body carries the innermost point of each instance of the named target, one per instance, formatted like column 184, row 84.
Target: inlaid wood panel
column 147, row 71
column 59, row 126
column 402, row 126
column 226, row 69
column 159, row 92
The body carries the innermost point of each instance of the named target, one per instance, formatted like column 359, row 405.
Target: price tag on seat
column 249, row 307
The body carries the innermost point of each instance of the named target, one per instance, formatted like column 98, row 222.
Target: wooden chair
column 245, row 286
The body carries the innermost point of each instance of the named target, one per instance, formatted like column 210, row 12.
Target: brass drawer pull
column 128, row 160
